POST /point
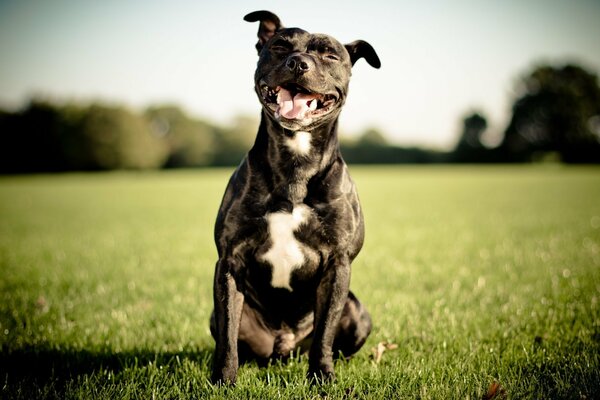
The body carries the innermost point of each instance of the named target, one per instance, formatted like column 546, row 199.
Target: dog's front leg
column 331, row 296
column 228, row 310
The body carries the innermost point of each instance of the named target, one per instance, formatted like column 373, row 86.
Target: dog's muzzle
column 295, row 102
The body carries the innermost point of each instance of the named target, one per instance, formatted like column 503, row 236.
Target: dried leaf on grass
column 41, row 305
column 495, row 391
column 380, row 349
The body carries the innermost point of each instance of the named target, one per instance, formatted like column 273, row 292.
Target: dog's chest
column 284, row 252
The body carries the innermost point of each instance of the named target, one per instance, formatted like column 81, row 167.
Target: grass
column 480, row 275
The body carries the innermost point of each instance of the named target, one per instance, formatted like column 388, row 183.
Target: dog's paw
column 321, row 375
column 284, row 344
column 223, row 377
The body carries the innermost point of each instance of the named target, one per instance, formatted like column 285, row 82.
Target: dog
column 290, row 222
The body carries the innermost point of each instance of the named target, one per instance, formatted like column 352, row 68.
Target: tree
column 470, row 147
column 474, row 126
column 114, row 137
column 234, row 141
column 191, row 142
column 372, row 147
column 555, row 113
column 372, row 137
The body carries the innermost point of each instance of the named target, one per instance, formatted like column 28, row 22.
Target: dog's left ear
column 361, row 49
column 269, row 25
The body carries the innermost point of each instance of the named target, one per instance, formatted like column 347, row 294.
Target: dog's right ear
column 361, row 49
column 269, row 25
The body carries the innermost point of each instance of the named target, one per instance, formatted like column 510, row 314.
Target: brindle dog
column 290, row 222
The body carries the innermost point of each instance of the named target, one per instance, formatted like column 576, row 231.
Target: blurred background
column 88, row 85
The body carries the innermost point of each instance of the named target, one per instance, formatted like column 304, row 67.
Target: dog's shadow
column 42, row 364
column 34, row 367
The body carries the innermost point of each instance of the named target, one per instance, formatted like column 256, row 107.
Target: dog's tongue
column 297, row 106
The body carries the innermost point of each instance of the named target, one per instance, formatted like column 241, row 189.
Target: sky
column 441, row 60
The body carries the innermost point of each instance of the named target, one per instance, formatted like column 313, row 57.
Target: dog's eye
column 332, row 57
column 280, row 46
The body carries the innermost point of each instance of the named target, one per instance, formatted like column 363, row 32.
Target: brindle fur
column 319, row 311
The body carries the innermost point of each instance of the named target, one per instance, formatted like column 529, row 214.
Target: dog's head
column 302, row 78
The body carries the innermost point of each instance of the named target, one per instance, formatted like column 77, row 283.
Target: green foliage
column 480, row 275
column 32, row 140
column 233, row 142
column 372, row 138
column 116, row 138
column 51, row 137
column 48, row 137
column 474, row 125
column 191, row 141
column 470, row 147
column 556, row 112
column 371, row 147
column 556, row 117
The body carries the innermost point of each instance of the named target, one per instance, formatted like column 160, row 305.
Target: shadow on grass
column 41, row 365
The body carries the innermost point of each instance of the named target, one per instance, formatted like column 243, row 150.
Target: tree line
column 50, row 137
column 556, row 115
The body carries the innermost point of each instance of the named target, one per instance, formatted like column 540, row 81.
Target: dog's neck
column 290, row 161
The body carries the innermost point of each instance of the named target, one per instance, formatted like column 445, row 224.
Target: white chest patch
column 300, row 143
column 285, row 253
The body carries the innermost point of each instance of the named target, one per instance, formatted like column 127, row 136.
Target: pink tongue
column 295, row 107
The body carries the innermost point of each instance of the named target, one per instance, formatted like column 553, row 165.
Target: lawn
column 486, row 278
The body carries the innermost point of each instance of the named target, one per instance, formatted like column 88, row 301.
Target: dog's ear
column 361, row 49
column 269, row 25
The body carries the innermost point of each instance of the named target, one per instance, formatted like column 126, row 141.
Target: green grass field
column 483, row 276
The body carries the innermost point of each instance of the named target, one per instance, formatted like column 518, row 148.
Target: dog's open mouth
column 292, row 101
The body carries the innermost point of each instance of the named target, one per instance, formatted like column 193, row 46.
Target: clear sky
column 440, row 59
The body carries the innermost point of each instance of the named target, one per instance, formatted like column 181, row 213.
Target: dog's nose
column 298, row 64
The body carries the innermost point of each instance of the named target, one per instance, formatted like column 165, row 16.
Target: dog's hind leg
column 255, row 342
column 257, row 336
column 353, row 329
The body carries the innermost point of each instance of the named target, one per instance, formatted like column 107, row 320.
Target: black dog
column 290, row 222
